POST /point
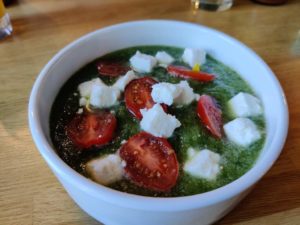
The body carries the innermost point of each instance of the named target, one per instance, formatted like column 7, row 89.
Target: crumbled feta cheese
column 197, row 97
column 202, row 164
column 194, row 56
column 124, row 80
column 123, row 142
column 80, row 110
column 123, row 163
column 244, row 105
column 103, row 96
column 168, row 93
column 82, row 101
column 142, row 63
column 86, row 87
column 186, row 95
column 242, row 131
column 163, row 65
column 158, row 123
column 165, row 92
column 106, row 169
column 164, row 58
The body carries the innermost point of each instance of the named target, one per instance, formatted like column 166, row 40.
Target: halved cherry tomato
column 112, row 69
column 184, row 72
column 210, row 115
column 91, row 128
column 150, row 162
column 138, row 95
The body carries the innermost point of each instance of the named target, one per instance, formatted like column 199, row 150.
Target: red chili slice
column 150, row 162
column 210, row 115
column 138, row 95
column 112, row 69
column 184, row 72
column 91, row 128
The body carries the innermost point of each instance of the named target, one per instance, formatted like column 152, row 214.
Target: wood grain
column 30, row 194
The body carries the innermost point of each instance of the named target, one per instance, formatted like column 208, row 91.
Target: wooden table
column 30, row 194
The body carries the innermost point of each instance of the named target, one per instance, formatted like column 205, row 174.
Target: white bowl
column 114, row 207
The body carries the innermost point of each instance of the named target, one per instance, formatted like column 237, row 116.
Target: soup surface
column 235, row 161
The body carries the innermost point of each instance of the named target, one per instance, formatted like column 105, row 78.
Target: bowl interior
column 222, row 47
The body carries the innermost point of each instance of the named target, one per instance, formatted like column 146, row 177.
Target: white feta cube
column 202, row 164
column 106, row 169
column 242, row 131
column 194, row 56
column 158, row 123
column 168, row 93
column 86, row 87
column 244, row 105
column 124, row 80
column 165, row 92
column 164, row 58
column 143, row 63
column 186, row 95
column 103, row 96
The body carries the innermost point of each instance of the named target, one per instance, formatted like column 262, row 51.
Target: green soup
column 236, row 160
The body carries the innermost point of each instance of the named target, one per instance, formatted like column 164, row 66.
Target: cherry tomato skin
column 210, row 115
column 91, row 128
column 138, row 96
column 184, row 72
column 150, row 162
column 112, row 69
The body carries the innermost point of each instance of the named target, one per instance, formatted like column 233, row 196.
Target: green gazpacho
column 158, row 121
